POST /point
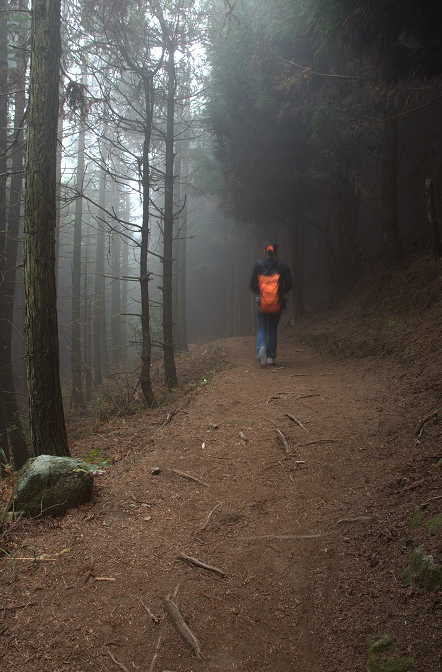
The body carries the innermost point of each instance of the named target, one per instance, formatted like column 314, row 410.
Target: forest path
column 287, row 526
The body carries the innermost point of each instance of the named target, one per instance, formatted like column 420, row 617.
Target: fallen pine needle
column 104, row 578
column 199, row 563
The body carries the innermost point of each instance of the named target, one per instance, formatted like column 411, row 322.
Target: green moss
column 418, row 516
column 383, row 657
column 422, row 571
column 434, row 523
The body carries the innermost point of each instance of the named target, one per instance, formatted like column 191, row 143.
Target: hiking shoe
column 262, row 355
column 270, row 361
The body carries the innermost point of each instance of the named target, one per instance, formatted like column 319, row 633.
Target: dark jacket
column 269, row 267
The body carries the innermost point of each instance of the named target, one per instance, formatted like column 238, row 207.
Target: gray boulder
column 49, row 486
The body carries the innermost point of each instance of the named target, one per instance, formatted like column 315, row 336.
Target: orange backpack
column 269, row 299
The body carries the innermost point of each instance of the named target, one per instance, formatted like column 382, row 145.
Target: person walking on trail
column 271, row 280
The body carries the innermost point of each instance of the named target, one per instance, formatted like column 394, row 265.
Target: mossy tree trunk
column 46, row 416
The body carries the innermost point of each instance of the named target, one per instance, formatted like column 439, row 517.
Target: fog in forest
column 189, row 136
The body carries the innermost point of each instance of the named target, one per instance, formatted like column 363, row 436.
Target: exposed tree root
column 199, row 563
column 181, row 626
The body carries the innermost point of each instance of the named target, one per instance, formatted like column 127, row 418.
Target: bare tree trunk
column 170, row 375
column 390, row 222
column 76, row 363
column 46, row 416
column 3, row 147
column 145, row 380
column 125, row 284
column 100, row 341
column 182, row 255
column 116, row 282
column 15, row 429
column 433, row 224
column 87, row 317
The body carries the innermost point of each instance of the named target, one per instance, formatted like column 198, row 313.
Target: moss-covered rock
column 49, row 486
column 383, row 657
column 422, row 571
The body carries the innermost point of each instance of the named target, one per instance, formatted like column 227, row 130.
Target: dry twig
column 155, row 655
column 283, row 537
column 189, row 477
column 283, row 440
column 296, row 421
column 427, row 418
column 151, row 614
column 199, row 563
column 312, row 443
column 206, row 522
column 120, row 665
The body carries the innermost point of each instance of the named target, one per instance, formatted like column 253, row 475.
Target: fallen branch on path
column 414, row 485
column 432, row 499
column 282, row 537
column 181, row 626
column 283, row 440
column 427, row 418
column 296, row 421
column 189, row 477
column 362, row 519
column 311, row 443
column 206, row 522
column 155, row 655
column 120, row 665
column 155, row 619
column 199, row 563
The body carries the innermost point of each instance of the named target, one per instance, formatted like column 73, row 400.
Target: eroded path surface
column 291, row 526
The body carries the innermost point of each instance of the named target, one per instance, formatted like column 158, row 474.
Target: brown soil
column 313, row 538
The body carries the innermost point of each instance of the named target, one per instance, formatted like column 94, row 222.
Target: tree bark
column 116, row 282
column 100, row 349
column 46, row 416
column 170, row 375
column 390, row 222
column 433, row 224
column 76, row 361
column 16, row 434
column 3, row 146
column 145, row 380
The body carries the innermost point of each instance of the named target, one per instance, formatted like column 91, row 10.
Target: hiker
column 271, row 280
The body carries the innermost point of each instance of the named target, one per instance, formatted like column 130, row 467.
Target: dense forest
column 149, row 150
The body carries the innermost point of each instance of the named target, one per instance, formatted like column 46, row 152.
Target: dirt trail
column 300, row 533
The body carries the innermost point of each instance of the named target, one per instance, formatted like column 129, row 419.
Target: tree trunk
column 46, row 416
column 182, row 255
column 145, row 380
column 170, row 375
column 16, row 434
column 116, row 282
column 100, row 349
column 390, row 222
column 3, row 147
column 433, row 224
column 76, row 362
